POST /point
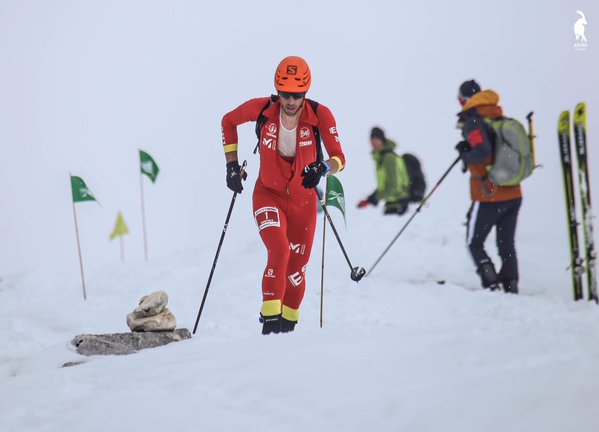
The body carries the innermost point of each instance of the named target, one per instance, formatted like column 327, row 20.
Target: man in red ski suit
column 284, row 200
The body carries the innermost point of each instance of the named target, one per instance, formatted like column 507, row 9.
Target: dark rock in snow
column 73, row 363
column 125, row 343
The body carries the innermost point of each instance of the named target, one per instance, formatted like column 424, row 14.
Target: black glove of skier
column 370, row 200
column 313, row 172
column 463, row 147
column 396, row 208
column 234, row 177
column 373, row 199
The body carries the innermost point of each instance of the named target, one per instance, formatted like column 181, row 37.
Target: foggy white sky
column 84, row 84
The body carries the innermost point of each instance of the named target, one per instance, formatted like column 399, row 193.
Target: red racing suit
column 285, row 212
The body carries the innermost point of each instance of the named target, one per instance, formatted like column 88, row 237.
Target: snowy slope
column 85, row 84
column 397, row 352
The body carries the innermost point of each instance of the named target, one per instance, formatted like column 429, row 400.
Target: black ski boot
column 510, row 286
column 287, row 326
column 488, row 276
column 270, row 324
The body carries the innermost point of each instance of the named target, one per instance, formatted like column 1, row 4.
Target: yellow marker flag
column 120, row 228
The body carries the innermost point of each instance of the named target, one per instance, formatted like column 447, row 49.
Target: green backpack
column 513, row 153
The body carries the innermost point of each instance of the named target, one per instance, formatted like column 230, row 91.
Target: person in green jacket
column 393, row 180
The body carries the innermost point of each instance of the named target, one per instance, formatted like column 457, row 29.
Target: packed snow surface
column 398, row 351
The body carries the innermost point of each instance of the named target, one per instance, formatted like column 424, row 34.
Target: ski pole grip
column 242, row 172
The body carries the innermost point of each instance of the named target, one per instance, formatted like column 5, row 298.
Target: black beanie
column 377, row 132
column 469, row 89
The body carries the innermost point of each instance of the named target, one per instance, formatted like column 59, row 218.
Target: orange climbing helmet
column 293, row 75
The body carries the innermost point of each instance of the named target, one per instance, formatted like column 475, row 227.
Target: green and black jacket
column 393, row 181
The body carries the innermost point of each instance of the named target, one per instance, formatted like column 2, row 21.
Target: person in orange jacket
column 492, row 205
column 284, row 199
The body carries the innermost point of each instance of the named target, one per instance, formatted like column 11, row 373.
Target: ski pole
column 357, row 273
column 424, row 200
column 324, row 238
column 532, row 137
column 243, row 175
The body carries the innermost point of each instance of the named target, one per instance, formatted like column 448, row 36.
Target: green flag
column 335, row 195
column 148, row 165
column 80, row 190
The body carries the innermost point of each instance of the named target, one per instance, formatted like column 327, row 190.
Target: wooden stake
column 122, row 241
column 79, row 248
column 143, row 215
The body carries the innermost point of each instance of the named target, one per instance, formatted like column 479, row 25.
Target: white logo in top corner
column 333, row 130
column 579, row 32
column 304, row 132
column 272, row 129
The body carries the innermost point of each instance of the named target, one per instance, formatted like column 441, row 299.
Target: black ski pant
column 482, row 217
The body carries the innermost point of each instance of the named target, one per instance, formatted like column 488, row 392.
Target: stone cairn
column 152, row 324
column 152, row 314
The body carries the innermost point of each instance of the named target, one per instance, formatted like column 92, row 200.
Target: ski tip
column 580, row 113
column 564, row 121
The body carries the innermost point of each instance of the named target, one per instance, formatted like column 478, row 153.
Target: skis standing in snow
column 567, row 170
column 580, row 138
column 577, row 262
column 284, row 199
column 492, row 205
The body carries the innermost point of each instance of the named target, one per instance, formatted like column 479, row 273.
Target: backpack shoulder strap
column 262, row 119
column 313, row 104
column 317, row 138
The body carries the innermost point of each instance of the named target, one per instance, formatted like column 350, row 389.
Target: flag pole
column 122, row 241
column 143, row 214
column 324, row 229
column 78, row 246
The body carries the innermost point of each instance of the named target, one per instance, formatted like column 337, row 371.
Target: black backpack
column 417, row 181
column 262, row 119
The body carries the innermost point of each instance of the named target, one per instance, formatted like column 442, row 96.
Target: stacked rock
column 152, row 314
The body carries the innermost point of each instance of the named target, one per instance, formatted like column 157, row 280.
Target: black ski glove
column 313, row 172
column 234, row 177
column 370, row 200
column 373, row 199
column 396, row 208
column 463, row 147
